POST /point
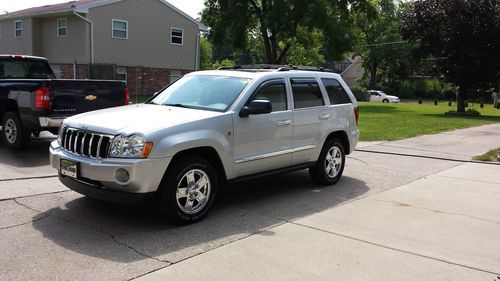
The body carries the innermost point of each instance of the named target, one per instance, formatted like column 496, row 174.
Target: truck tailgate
column 78, row 96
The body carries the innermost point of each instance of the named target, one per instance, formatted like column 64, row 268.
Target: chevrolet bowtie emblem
column 90, row 98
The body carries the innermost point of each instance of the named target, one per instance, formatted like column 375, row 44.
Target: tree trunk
column 373, row 78
column 461, row 99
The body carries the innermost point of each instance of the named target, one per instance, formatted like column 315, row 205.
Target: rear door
column 264, row 142
column 311, row 118
column 77, row 96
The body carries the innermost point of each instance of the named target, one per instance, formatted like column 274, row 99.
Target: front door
column 264, row 142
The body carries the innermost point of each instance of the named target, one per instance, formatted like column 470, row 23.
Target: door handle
column 284, row 123
column 324, row 116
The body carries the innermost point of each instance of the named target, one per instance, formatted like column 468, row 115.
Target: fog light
column 122, row 175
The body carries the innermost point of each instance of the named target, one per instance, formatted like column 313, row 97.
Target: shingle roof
column 47, row 9
column 82, row 6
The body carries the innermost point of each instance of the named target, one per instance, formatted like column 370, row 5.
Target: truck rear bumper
column 46, row 122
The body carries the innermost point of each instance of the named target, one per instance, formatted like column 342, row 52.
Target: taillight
column 42, row 98
column 356, row 113
column 127, row 97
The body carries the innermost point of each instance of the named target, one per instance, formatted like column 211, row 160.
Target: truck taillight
column 42, row 98
column 127, row 97
column 356, row 113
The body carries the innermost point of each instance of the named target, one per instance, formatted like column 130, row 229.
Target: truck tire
column 14, row 135
column 187, row 190
column 330, row 164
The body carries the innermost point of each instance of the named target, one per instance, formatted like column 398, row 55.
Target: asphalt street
column 416, row 209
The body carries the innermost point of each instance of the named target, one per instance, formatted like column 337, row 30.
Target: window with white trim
column 62, row 27
column 120, row 29
column 18, row 28
column 176, row 36
column 121, row 73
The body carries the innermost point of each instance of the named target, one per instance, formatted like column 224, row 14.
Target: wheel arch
column 206, row 152
column 7, row 105
column 342, row 136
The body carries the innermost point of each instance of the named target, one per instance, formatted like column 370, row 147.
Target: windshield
column 202, row 92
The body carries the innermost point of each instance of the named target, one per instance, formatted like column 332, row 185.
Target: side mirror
column 256, row 107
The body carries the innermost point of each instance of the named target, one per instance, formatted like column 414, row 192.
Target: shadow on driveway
column 240, row 211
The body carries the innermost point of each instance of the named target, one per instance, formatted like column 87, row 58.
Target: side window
column 335, row 91
column 275, row 92
column 306, row 93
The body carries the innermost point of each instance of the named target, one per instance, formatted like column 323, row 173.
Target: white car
column 379, row 96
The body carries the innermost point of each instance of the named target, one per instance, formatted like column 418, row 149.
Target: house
column 351, row 69
column 148, row 43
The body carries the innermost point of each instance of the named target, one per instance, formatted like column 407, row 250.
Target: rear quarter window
column 336, row 92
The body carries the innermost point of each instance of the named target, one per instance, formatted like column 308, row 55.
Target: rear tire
column 330, row 164
column 14, row 135
column 188, row 190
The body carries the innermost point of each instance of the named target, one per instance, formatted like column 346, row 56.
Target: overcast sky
column 191, row 7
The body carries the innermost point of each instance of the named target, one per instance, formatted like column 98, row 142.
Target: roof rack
column 274, row 67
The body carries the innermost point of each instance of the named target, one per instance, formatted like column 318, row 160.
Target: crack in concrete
column 29, row 178
column 354, row 158
column 401, row 204
column 33, row 195
column 112, row 236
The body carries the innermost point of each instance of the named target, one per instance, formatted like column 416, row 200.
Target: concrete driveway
column 419, row 211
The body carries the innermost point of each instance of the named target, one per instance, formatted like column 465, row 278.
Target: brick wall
column 146, row 81
column 141, row 80
column 66, row 70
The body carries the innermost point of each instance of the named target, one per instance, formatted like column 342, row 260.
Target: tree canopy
column 275, row 23
column 462, row 37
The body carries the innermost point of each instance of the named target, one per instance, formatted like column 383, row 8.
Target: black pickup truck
column 31, row 100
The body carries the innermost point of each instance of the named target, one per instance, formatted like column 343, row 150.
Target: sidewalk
column 443, row 226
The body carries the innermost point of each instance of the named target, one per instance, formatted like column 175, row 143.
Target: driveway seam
column 29, row 178
column 435, row 211
column 394, row 249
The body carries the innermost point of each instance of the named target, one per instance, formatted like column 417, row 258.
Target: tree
column 276, row 22
column 378, row 41
column 462, row 37
column 206, row 54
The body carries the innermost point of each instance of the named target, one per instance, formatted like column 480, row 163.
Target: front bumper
column 99, row 175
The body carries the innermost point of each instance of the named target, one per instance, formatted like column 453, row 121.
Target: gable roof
column 83, row 6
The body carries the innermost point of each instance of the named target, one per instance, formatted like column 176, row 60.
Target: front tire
column 188, row 190
column 14, row 135
column 330, row 165
column 385, row 101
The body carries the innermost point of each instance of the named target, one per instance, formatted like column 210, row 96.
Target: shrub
column 360, row 93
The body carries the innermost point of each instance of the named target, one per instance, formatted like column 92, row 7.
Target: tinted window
column 275, row 92
column 202, row 92
column 24, row 69
column 335, row 92
column 306, row 93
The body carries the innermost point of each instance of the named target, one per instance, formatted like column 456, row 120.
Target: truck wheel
column 14, row 135
column 330, row 165
column 188, row 190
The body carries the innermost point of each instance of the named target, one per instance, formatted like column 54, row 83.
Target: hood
column 140, row 118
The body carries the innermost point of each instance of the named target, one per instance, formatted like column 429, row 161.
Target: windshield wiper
column 177, row 105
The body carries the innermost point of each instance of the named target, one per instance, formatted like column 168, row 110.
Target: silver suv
column 207, row 129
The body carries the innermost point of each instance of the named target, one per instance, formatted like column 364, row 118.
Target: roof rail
column 274, row 67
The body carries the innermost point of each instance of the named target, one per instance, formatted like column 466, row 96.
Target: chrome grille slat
column 90, row 145
column 76, row 140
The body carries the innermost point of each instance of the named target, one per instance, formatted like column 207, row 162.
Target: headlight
column 130, row 147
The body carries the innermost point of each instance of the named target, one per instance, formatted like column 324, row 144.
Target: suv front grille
column 85, row 143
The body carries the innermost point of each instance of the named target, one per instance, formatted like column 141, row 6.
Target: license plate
column 69, row 168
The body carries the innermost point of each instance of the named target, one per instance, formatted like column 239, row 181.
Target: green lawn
column 140, row 99
column 380, row 121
